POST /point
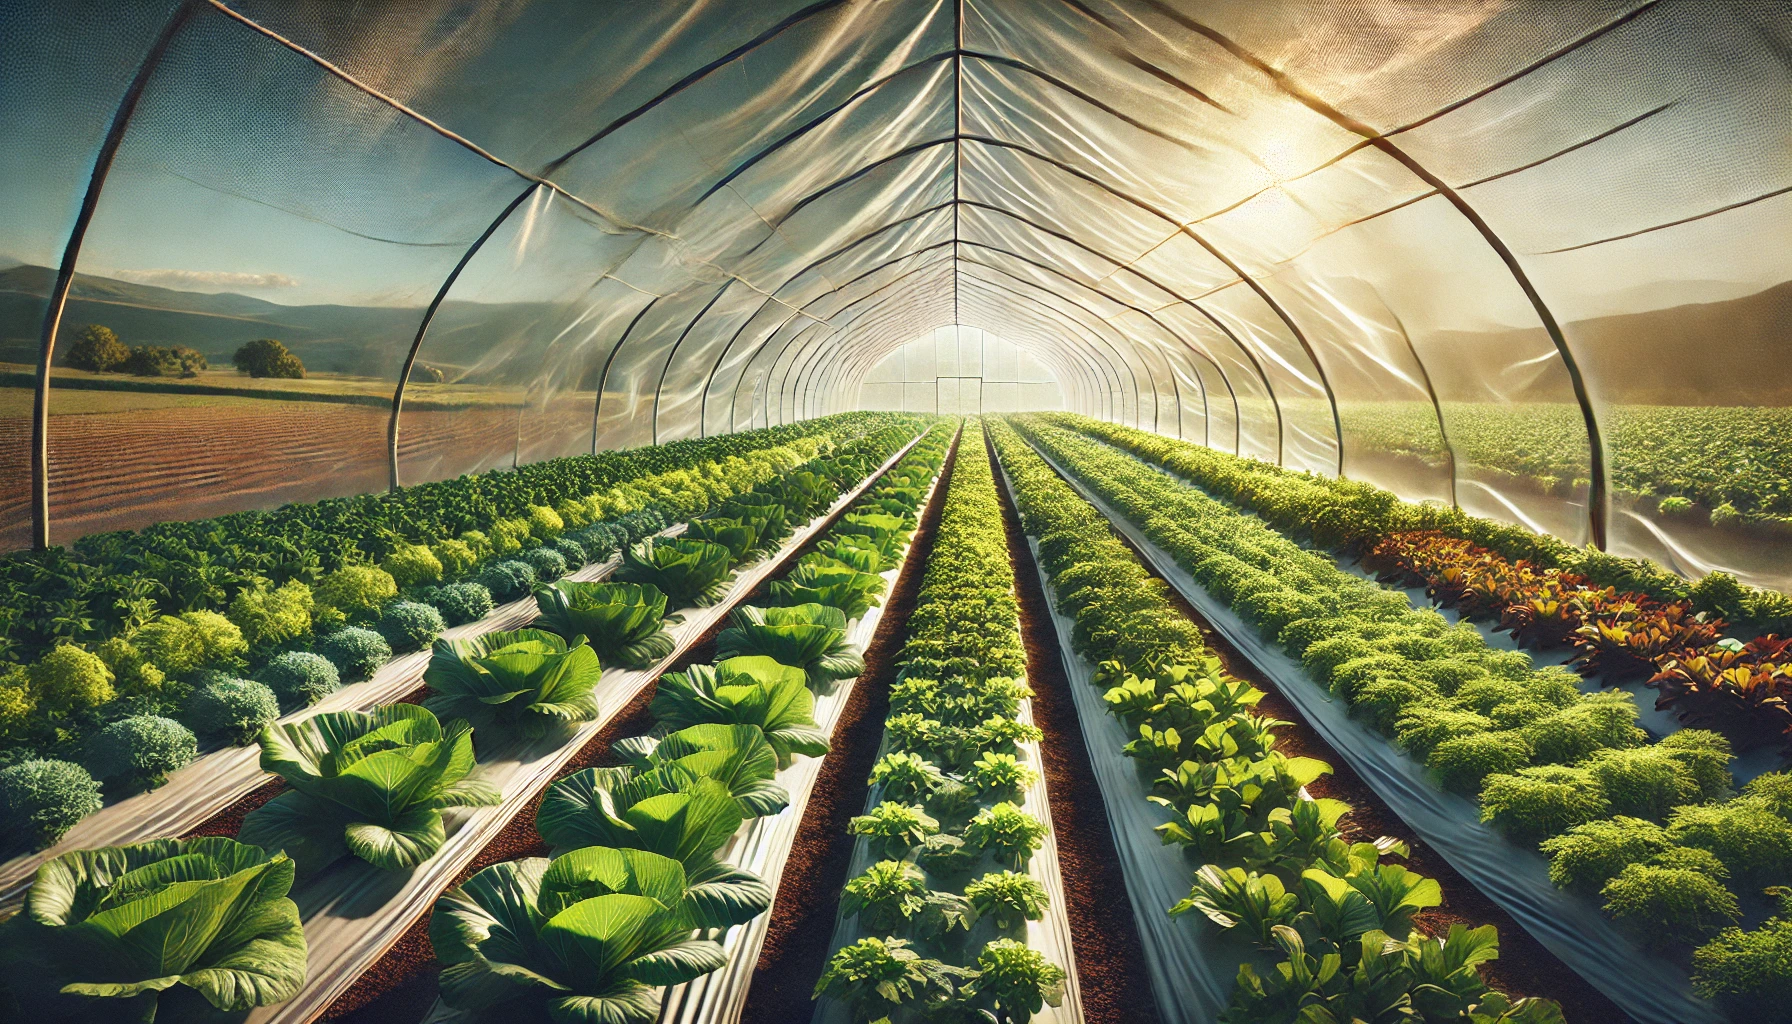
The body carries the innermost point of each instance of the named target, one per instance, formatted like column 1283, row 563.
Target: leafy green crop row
column 1652, row 829
column 1729, row 463
column 1355, row 516
column 182, row 930
column 1272, row 860
column 949, row 786
column 128, row 708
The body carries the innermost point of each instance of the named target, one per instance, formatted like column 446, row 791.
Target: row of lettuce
column 1653, row 829
column 637, row 893
column 943, row 907
column 1711, row 648
column 184, row 929
column 1267, row 858
column 89, row 721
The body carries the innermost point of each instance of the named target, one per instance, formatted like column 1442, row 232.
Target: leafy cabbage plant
column 586, row 937
column 737, row 756
column 745, row 691
column 837, row 586
column 737, row 535
column 166, row 930
column 688, row 571
column 372, row 784
column 524, row 680
column 625, row 623
column 811, row 637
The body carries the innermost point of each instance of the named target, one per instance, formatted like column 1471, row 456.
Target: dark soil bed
column 798, row 941
column 1105, row 935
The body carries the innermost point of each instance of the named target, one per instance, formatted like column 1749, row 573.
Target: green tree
column 153, row 361
column 191, row 360
column 265, row 357
column 98, row 349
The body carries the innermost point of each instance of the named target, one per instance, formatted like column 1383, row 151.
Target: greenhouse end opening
column 896, row 511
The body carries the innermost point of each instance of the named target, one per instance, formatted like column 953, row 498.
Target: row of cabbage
column 638, row 894
column 943, row 906
column 1653, row 829
column 178, row 930
column 1266, row 857
column 91, row 722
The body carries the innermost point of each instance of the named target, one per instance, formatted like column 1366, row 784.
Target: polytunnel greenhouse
column 896, row 511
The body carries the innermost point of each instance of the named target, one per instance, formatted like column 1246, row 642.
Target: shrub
column 1325, row 655
column 412, row 565
column 461, row 603
column 185, row 643
column 1350, row 677
column 356, row 590
column 549, row 564
column 1667, row 905
column 1422, row 728
column 42, row 800
column 1532, row 804
column 1751, row 840
column 98, row 349
column 69, row 679
column 1706, row 755
column 1599, row 722
column 456, row 557
column 16, row 702
column 509, row 535
column 138, row 752
column 572, row 551
column 300, row 679
column 234, row 710
column 357, row 653
column 1691, row 858
column 269, row 618
column 408, row 625
column 545, row 523
column 478, row 542
column 507, row 580
column 132, row 673
column 1587, row 856
column 1745, row 971
column 1644, row 782
column 573, row 513
column 1449, row 675
column 1772, row 791
column 1463, row 762
column 266, row 357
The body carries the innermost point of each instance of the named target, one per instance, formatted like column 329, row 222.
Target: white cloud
column 207, row 280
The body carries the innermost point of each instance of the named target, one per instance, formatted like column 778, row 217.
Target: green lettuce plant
column 584, row 939
column 737, row 535
column 875, row 978
column 525, row 680
column 837, row 586
column 753, row 690
column 737, row 756
column 688, row 571
column 167, row 930
column 625, row 623
column 372, row 784
column 811, row 637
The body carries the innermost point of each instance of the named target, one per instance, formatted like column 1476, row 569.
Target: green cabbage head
column 587, row 938
column 837, row 586
column 811, row 637
column 688, row 571
column 754, row 691
column 165, row 930
column 625, row 623
column 516, row 680
column 371, row 784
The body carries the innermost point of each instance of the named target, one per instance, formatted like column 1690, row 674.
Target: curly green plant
column 1009, row 898
column 625, row 623
column 1014, row 982
column 1008, row 833
column 587, row 938
column 876, row 978
column 371, row 784
column 894, row 829
column 167, row 930
column 525, row 681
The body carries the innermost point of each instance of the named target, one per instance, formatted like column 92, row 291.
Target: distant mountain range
column 1736, row 351
column 361, row 340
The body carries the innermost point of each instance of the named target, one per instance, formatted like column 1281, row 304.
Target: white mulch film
column 1647, row 987
column 353, row 912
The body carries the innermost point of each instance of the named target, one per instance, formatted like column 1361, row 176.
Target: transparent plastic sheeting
column 1648, row 988
column 1522, row 255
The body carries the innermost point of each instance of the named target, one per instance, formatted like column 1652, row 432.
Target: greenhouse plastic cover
column 1466, row 250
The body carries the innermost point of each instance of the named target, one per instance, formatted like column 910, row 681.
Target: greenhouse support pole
column 603, row 377
column 429, row 315
column 65, row 273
